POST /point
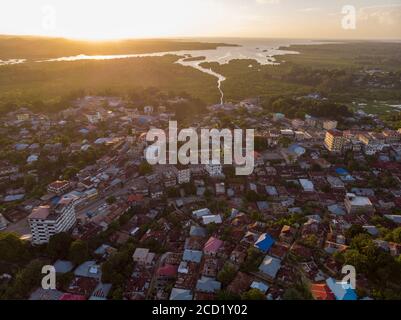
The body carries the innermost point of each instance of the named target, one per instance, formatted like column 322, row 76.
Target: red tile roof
column 321, row 292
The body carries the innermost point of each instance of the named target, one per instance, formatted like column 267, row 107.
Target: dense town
column 77, row 193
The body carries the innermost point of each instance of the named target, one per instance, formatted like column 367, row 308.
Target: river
column 263, row 51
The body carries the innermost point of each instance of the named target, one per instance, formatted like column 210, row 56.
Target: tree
column 354, row 230
column 78, row 251
column 13, row 249
column 284, row 141
column 118, row 267
column 227, row 296
column 145, row 168
column 252, row 261
column 253, row 294
column 25, row 280
column 298, row 292
column 110, row 200
column 59, row 245
column 227, row 274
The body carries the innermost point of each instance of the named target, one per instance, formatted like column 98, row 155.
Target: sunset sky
column 114, row 19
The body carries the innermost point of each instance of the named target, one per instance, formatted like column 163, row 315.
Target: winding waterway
column 263, row 51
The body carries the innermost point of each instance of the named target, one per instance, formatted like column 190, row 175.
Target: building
column 23, row 116
column 59, row 187
column 264, row 243
column 297, row 123
column 270, row 267
column 278, row 117
column 201, row 212
column 184, row 176
column 3, row 222
column 148, row 109
column 340, row 290
column 46, row 221
column 307, row 185
column 215, row 218
column 357, row 204
column 94, row 117
column 334, row 141
column 143, row 256
column 330, row 124
column 214, row 170
column 372, row 143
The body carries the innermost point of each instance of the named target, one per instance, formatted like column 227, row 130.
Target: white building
column 356, row 204
column 201, row 212
column 184, row 176
column 46, row 221
column 214, row 170
column 212, row 219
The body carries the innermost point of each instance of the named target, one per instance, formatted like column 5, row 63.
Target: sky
column 116, row 19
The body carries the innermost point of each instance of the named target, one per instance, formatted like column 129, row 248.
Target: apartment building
column 46, row 221
column 59, row 187
column 334, row 141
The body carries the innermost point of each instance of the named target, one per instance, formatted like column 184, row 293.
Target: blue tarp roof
column 342, row 171
column 340, row 291
column 264, row 242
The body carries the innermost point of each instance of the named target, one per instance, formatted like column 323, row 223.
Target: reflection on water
column 11, row 61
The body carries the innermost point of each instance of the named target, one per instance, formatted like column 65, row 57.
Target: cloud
column 310, row 10
column 268, row 1
column 389, row 15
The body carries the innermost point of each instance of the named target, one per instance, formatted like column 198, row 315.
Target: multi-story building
column 330, row 124
column 391, row 136
column 59, row 187
column 334, row 141
column 297, row 123
column 23, row 116
column 357, row 204
column 46, row 221
column 214, row 170
column 372, row 142
column 169, row 179
column 184, row 176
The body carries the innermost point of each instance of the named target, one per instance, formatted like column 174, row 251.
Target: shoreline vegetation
column 190, row 59
column 37, row 48
column 334, row 70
